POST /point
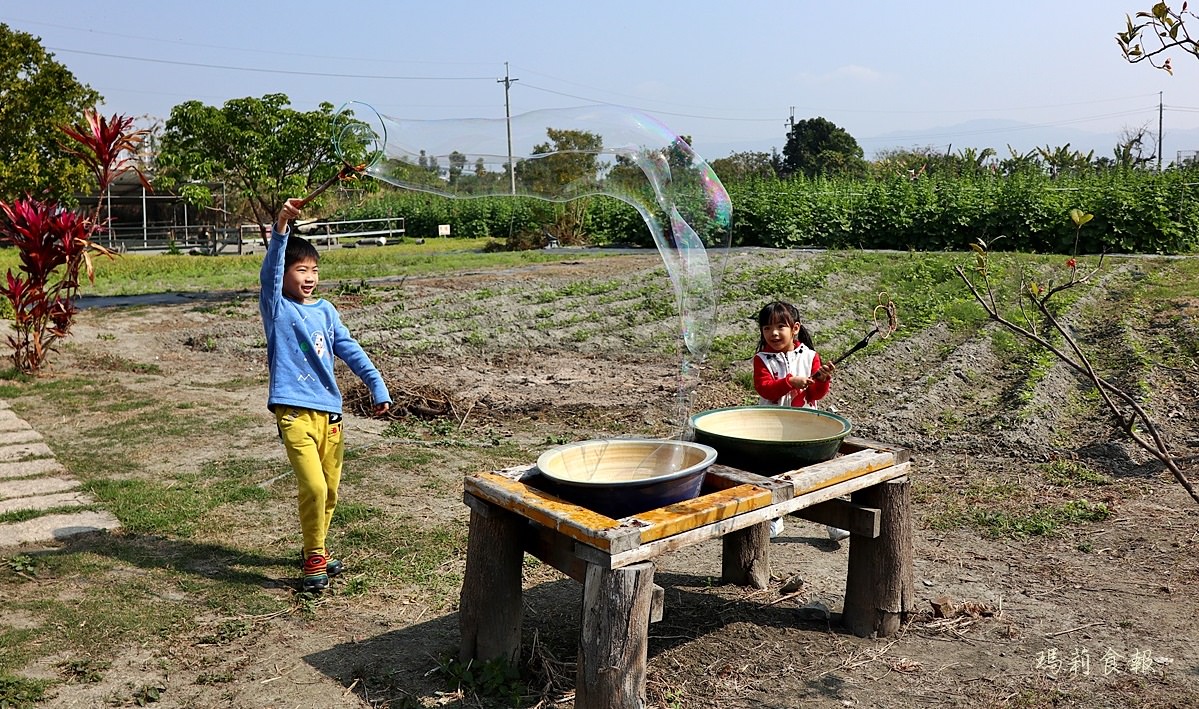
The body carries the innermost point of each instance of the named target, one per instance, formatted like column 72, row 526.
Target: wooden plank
column 556, row 550
column 723, row 527
column 545, row 509
column 699, row 511
column 830, row 472
column 842, row 514
column 853, row 444
column 722, row 477
column 517, row 472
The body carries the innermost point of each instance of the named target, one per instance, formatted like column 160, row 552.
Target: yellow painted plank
column 706, row 509
column 576, row 522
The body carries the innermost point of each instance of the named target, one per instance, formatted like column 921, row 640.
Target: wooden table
column 613, row 558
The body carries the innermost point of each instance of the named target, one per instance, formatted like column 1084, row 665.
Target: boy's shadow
column 212, row 561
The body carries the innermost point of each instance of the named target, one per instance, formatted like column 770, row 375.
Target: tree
column 263, row 150
column 37, row 96
column 1135, row 149
column 569, row 157
column 817, row 146
column 1039, row 321
column 566, row 166
column 745, row 166
column 1162, row 26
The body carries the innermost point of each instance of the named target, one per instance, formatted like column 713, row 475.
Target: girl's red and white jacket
column 772, row 371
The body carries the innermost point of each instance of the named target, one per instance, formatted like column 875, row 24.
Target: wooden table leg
column 489, row 614
column 879, row 586
column 745, row 556
column 613, row 643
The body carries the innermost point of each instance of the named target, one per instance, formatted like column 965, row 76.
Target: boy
column 303, row 334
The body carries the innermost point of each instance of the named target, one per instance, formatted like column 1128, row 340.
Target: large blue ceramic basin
column 619, row 477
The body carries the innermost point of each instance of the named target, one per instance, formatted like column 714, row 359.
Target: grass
column 995, row 519
column 134, row 274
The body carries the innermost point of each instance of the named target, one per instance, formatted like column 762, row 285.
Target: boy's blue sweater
column 301, row 341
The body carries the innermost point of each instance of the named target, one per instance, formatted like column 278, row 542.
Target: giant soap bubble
column 563, row 155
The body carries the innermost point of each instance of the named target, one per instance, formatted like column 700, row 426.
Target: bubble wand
column 880, row 328
column 358, row 146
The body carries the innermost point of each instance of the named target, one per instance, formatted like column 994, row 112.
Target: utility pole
column 1159, row 131
column 507, row 82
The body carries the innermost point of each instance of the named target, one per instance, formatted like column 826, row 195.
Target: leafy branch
column 1162, row 25
column 1038, row 324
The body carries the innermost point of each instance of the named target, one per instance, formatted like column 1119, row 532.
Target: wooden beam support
column 745, row 556
column 853, row 518
column 879, row 585
column 491, row 605
column 613, row 647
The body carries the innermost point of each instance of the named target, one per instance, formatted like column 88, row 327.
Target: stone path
column 31, row 480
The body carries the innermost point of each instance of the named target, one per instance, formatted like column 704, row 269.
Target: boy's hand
column 383, row 408
column 289, row 211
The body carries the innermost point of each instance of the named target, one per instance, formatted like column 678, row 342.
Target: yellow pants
column 314, row 447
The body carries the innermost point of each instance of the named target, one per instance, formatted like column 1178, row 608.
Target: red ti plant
column 55, row 242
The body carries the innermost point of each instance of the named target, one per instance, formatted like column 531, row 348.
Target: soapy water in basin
column 567, row 154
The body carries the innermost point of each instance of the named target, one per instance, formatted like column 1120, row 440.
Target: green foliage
column 817, row 146
column 37, row 95
column 1135, row 211
column 1155, row 32
column 496, row 679
column 21, row 693
column 176, row 507
column 21, row 564
column 1072, row 473
column 85, row 670
column 268, row 150
column 1042, row 521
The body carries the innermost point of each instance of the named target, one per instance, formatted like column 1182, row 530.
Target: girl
column 788, row 372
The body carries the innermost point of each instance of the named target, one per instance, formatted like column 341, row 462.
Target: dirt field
column 1097, row 612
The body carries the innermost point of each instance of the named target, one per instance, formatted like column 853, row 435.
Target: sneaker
column 333, row 567
column 776, row 527
column 316, row 573
column 836, row 534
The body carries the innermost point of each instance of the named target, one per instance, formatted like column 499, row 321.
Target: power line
column 649, row 110
column 226, row 48
column 273, row 71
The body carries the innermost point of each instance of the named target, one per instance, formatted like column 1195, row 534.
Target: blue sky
column 726, row 73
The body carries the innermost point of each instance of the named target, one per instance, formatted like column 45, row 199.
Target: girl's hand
column 798, row 382
column 383, row 408
column 826, row 372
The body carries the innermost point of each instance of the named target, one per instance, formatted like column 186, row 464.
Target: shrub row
column 1135, row 212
